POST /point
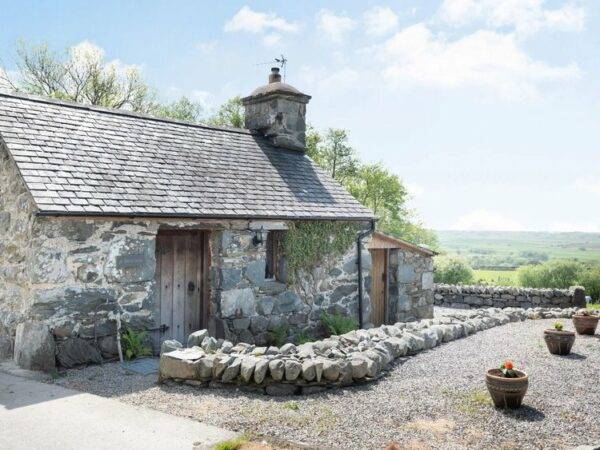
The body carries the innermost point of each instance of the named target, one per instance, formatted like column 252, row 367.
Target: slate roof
column 79, row 160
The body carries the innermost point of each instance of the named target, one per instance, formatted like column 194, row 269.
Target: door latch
column 163, row 328
column 191, row 286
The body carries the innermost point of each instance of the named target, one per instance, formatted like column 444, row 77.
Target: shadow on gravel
column 574, row 356
column 525, row 413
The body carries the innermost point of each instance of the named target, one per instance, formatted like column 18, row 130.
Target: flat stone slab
column 143, row 366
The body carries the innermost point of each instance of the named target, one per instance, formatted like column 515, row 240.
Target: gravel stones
column 420, row 403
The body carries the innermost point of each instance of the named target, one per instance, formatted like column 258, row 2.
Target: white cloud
column 485, row 220
column 334, row 26
column 207, row 47
column 588, row 185
column 380, row 21
column 272, row 39
column 525, row 16
column 86, row 53
column 319, row 80
column 258, row 22
column 484, row 59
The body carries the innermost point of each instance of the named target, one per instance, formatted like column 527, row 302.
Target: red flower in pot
column 507, row 385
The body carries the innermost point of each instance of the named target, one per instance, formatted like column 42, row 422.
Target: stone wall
column 78, row 277
column 355, row 357
column 249, row 307
column 411, row 286
column 457, row 296
column 16, row 219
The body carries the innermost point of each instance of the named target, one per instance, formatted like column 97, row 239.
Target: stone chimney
column 278, row 112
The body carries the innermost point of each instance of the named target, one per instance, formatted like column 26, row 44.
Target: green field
column 497, row 277
column 493, row 249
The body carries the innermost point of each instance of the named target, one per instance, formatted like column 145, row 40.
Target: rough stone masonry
column 354, row 357
column 459, row 296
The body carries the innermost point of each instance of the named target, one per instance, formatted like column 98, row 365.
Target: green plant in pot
column 558, row 340
column 507, row 385
column 585, row 321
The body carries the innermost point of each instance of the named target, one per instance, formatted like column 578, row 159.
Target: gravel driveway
column 436, row 399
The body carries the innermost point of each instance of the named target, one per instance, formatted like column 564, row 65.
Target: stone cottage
column 170, row 227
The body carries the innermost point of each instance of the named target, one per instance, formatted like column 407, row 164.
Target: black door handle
column 191, row 286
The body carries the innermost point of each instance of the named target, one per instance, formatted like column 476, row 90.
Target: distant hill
column 496, row 249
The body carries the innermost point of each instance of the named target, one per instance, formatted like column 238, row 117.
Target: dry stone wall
column 458, row 296
column 354, row 357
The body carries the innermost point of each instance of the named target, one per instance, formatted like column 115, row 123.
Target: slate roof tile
column 83, row 160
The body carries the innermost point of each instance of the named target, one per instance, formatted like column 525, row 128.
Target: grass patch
column 473, row 402
column 231, row 444
column 294, row 406
column 593, row 306
column 496, row 277
column 338, row 324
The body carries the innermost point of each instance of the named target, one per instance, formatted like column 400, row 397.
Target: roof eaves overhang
column 142, row 215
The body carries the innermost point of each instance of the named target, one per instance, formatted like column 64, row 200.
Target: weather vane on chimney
column 282, row 62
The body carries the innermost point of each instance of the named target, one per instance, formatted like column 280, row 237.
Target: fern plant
column 134, row 344
column 338, row 324
column 279, row 335
column 303, row 337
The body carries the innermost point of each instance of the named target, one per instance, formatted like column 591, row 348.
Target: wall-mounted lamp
column 259, row 237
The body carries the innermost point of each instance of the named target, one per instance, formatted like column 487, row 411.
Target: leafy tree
column 371, row 184
column 553, row 274
column 452, row 271
column 333, row 153
column 380, row 190
column 182, row 109
column 230, row 114
column 82, row 75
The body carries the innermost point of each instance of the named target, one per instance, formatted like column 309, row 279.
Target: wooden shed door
column 181, row 275
column 379, row 286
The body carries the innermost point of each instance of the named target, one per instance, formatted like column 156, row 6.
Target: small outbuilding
column 170, row 227
column 401, row 280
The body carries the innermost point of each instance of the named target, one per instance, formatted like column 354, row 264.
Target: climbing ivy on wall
column 308, row 244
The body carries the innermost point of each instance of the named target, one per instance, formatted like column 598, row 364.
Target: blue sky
column 489, row 110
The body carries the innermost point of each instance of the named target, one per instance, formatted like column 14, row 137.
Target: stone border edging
column 352, row 358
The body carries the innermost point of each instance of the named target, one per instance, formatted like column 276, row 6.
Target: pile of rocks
column 350, row 358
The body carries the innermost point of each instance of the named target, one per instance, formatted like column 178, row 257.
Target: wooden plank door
column 379, row 286
column 181, row 267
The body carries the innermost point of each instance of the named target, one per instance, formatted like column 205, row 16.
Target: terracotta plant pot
column 506, row 392
column 559, row 342
column 585, row 324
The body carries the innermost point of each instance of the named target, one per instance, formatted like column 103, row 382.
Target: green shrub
column 338, row 324
column 304, row 337
column 589, row 278
column 134, row 344
column 279, row 335
column 553, row 274
column 452, row 271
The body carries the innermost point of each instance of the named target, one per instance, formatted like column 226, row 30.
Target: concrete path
column 36, row 415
